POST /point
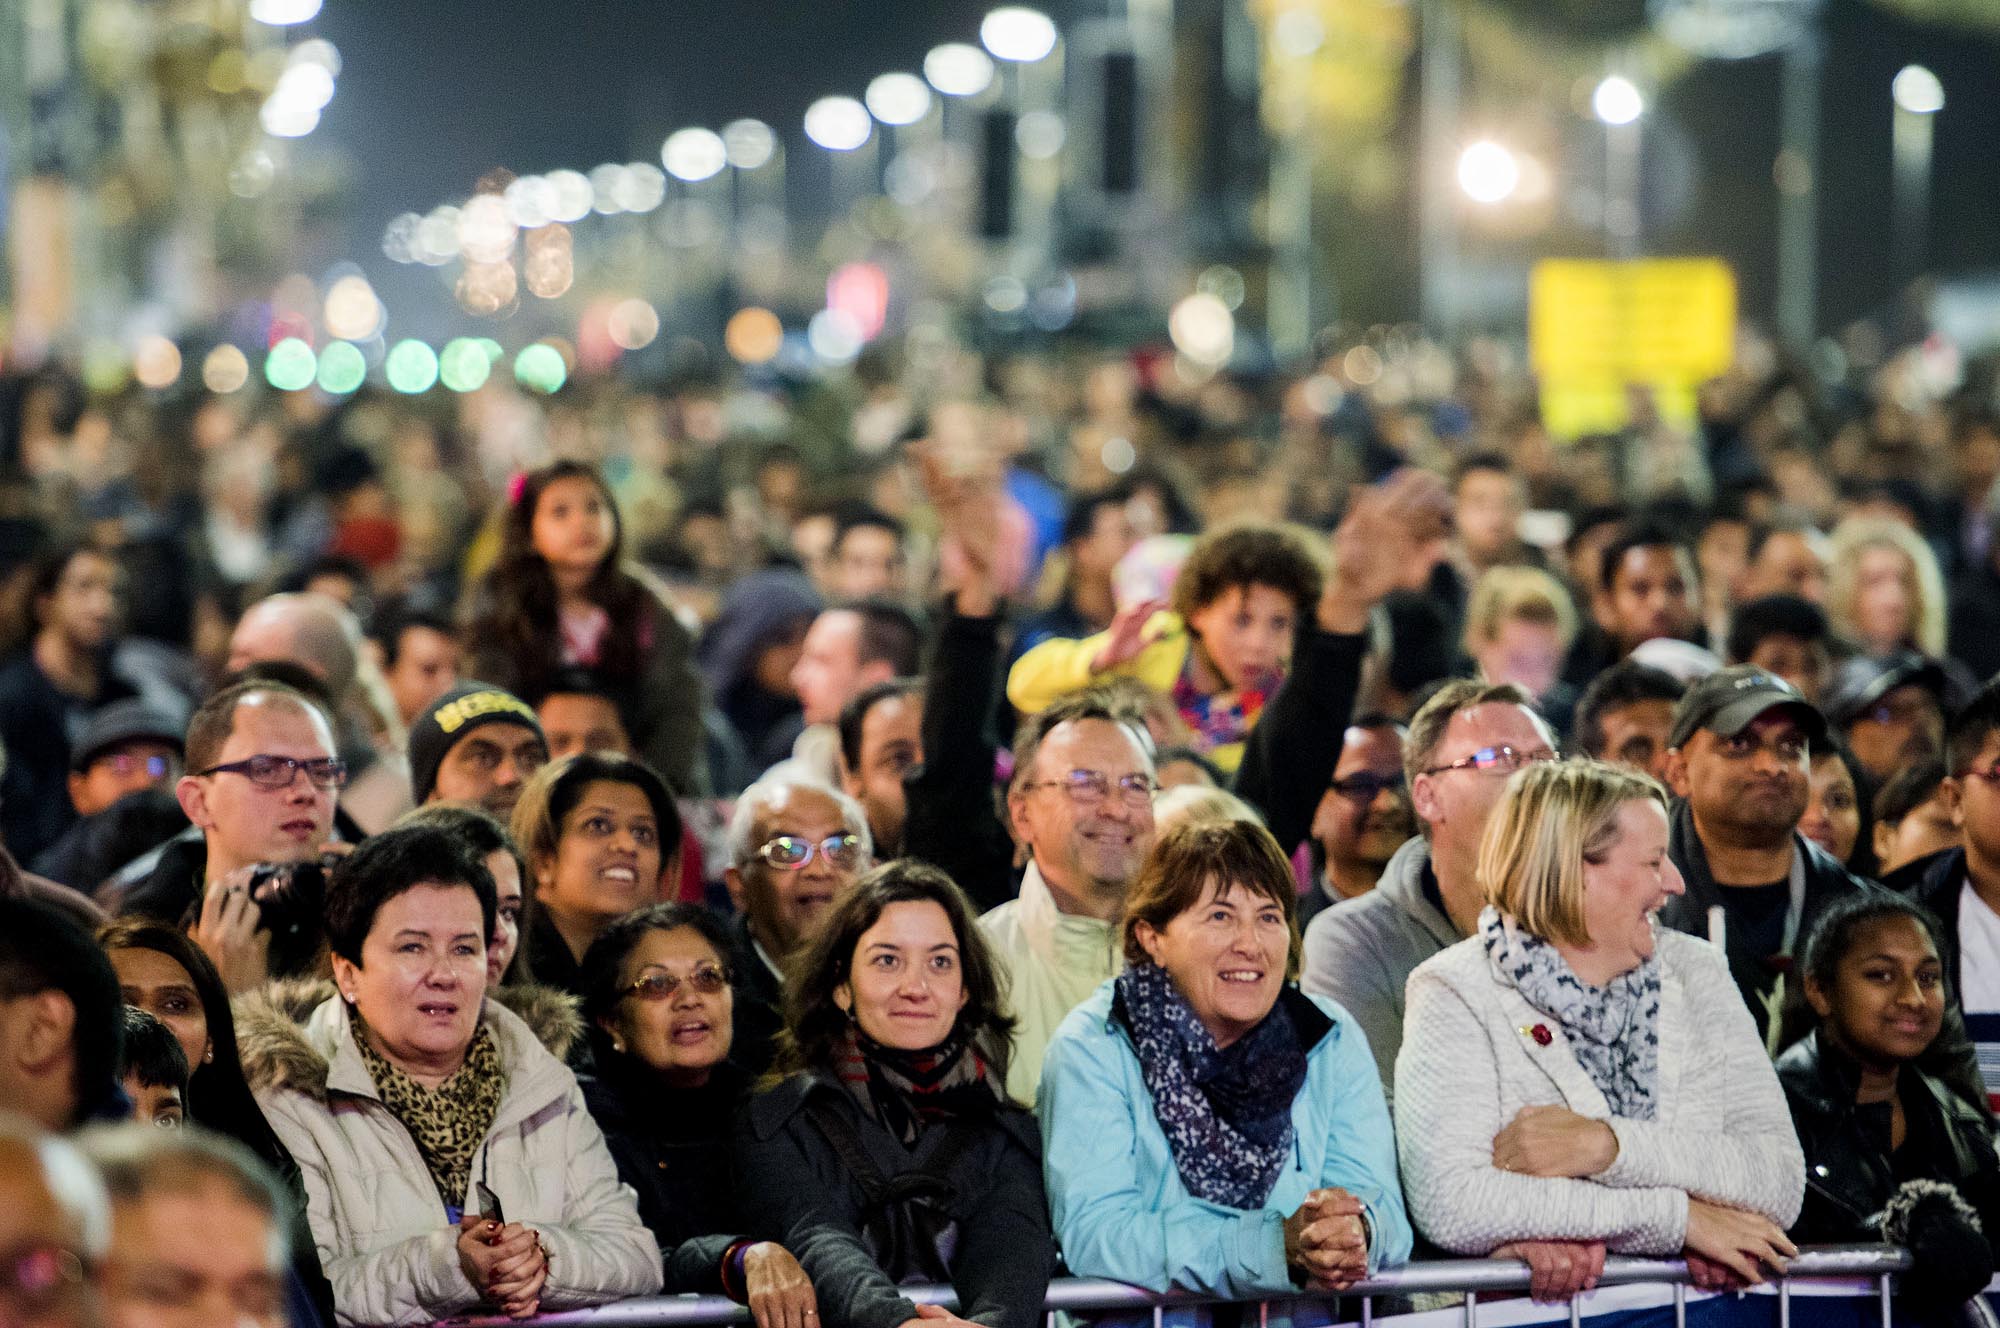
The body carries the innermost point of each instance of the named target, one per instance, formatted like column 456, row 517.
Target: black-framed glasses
column 1497, row 760
column 1088, row 788
column 1367, row 786
column 792, row 852
column 708, row 980
column 277, row 772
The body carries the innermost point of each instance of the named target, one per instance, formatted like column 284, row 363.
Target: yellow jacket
column 1057, row 667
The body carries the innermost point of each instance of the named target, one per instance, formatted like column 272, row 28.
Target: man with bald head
column 794, row 849
column 319, row 635
column 55, row 1226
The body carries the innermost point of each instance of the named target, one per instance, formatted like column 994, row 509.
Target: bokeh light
column 226, row 369
column 1917, row 90
column 834, row 336
column 485, row 230
column 838, row 124
column 412, row 367
column 643, row 188
column 898, row 99
column 749, row 143
column 287, row 119
column 861, row 292
column 1018, row 33
column 156, row 363
column 316, row 51
column 1203, row 329
column 291, row 365
column 352, row 311
column 694, row 154
column 540, row 368
column 342, row 368
column 1488, row 172
column 753, row 336
column 607, row 183
column 465, row 364
column 531, row 201
column 1040, row 135
column 959, row 70
column 572, row 196
column 1616, row 101
column 284, row 13
column 633, row 324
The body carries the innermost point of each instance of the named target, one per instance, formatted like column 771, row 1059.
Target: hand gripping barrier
column 1858, row 1265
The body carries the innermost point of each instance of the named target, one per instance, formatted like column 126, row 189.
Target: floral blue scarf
column 1614, row 1031
column 1227, row 1114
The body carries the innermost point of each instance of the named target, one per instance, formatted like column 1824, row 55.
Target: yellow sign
column 1596, row 329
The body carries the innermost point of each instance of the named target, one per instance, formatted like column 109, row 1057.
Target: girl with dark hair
column 599, row 834
column 563, row 596
column 1892, row 1153
column 658, row 997
column 884, row 1150
column 165, row 974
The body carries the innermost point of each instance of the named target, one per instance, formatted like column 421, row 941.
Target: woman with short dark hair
column 1207, row 1126
column 885, row 1151
column 449, row 1160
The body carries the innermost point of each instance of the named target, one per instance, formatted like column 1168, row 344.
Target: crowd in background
column 992, row 814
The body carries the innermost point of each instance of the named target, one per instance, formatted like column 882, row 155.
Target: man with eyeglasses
column 54, row 1226
column 261, row 788
column 1462, row 745
column 126, row 749
column 1363, row 817
column 794, row 850
column 1082, row 805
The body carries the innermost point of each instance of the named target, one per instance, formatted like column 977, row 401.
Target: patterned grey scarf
column 1614, row 1031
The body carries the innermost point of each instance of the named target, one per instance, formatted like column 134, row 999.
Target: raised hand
column 1127, row 635
column 1381, row 539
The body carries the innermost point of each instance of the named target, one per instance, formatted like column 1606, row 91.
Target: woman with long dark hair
column 885, row 1150
column 562, row 595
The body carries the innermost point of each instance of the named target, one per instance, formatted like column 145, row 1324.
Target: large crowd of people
column 988, row 819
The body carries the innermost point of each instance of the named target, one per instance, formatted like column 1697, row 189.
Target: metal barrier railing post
column 1784, row 1303
column 1883, row 1282
column 1680, row 1305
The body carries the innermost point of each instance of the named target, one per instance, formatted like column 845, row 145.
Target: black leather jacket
column 1849, row 1173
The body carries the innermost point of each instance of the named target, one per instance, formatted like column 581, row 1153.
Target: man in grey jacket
column 1462, row 746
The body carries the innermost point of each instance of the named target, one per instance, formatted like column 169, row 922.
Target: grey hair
column 71, row 1180
column 761, row 796
column 136, row 1160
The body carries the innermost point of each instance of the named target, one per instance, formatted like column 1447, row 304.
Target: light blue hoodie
column 1120, row 1209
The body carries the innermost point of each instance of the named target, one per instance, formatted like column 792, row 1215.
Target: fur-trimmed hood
column 277, row 1053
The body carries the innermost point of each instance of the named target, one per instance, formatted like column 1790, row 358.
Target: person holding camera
column 262, row 783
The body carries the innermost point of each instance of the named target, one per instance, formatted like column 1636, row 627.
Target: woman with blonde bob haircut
column 1207, row 1126
column 1576, row 1079
column 1884, row 591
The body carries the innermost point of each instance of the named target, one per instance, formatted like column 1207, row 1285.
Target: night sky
column 436, row 92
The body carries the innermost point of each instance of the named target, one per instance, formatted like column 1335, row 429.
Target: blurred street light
column 283, row 13
column 1917, row 90
column 1617, row 101
column 1918, row 97
column 748, row 143
column 959, row 70
column 1018, row 34
column 838, row 124
column 694, row 154
column 1488, row 172
column 898, row 99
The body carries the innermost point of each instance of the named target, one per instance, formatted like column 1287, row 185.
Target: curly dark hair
column 1245, row 556
column 814, row 1024
column 517, row 603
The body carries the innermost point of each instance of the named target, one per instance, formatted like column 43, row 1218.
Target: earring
column 618, row 1045
column 208, row 1056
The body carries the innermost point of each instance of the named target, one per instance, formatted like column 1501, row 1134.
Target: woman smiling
column 1207, row 1126
column 887, row 1151
column 1574, row 1079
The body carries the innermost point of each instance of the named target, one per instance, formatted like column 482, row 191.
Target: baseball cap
column 114, row 725
column 1727, row 701
column 1860, row 683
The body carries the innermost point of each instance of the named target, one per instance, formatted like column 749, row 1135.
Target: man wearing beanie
column 477, row 744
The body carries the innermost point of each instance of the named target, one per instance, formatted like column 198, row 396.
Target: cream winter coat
column 383, row 1235
column 1470, row 1061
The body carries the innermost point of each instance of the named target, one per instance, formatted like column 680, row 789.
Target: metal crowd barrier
column 1865, row 1263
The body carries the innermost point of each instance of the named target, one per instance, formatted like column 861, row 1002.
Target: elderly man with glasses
column 794, row 849
column 1462, row 745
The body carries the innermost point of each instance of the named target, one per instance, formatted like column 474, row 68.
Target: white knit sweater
column 1470, row 1061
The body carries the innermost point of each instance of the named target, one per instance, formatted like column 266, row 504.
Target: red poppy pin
column 1540, row 1033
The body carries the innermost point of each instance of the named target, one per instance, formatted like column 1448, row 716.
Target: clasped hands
column 1726, row 1248
column 1326, row 1241
column 505, row 1263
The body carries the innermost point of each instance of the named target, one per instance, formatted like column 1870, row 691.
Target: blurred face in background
column 582, row 722
column 1652, row 595
column 83, row 608
column 1885, row 598
column 1488, row 513
column 1833, row 807
column 426, row 667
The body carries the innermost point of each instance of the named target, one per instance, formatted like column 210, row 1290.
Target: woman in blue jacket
column 1206, row 1125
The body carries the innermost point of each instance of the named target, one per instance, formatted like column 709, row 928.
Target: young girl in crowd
column 1891, row 1152
column 563, row 596
column 1220, row 653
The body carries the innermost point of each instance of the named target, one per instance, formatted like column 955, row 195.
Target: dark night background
column 436, row 92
